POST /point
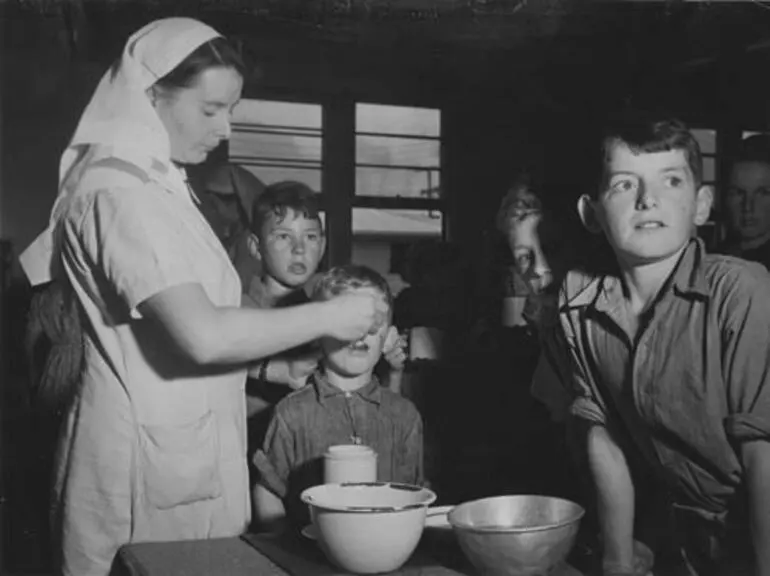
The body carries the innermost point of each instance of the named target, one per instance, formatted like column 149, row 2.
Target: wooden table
column 253, row 555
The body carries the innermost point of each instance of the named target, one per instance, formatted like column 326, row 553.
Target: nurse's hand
column 349, row 317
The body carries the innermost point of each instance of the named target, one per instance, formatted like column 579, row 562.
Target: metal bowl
column 516, row 535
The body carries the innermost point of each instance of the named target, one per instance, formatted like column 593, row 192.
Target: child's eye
column 764, row 191
column 209, row 113
column 523, row 261
column 625, row 185
column 674, row 181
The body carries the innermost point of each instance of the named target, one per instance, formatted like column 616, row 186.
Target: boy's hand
column 294, row 370
column 301, row 367
column 394, row 349
column 350, row 317
column 644, row 559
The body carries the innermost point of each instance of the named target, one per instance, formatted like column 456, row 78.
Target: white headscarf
column 120, row 122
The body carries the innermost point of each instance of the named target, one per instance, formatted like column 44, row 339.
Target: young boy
column 288, row 240
column 669, row 358
column 343, row 404
column 748, row 201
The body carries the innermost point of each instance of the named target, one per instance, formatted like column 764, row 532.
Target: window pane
column 389, row 151
column 398, row 120
column 381, row 236
column 396, row 224
column 276, row 146
column 394, row 182
column 709, row 170
column 272, row 174
column 707, row 140
column 268, row 112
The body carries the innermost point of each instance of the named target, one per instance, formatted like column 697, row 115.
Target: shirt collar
column 256, row 291
column 605, row 292
column 371, row 392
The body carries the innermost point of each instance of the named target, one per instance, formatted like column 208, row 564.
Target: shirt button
column 347, row 394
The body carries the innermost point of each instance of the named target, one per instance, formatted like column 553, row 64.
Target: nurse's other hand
column 349, row 317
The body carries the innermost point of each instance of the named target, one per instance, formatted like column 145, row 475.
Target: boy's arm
column 756, row 462
column 615, row 500
column 273, row 462
column 746, row 370
column 562, row 382
column 269, row 512
column 414, row 453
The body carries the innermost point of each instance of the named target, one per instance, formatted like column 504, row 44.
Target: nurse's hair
column 342, row 279
column 216, row 53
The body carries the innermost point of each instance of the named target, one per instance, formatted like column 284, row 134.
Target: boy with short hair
column 288, row 240
column 748, row 201
column 669, row 357
column 342, row 404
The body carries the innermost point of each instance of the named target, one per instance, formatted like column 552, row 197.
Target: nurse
column 154, row 443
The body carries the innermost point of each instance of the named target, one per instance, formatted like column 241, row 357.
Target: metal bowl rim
column 452, row 517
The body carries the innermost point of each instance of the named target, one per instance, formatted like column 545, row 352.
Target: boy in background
column 288, row 241
column 668, row 358
column 748, row 202
column 342, row 404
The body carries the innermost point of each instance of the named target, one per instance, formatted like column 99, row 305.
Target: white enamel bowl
column 368, row 528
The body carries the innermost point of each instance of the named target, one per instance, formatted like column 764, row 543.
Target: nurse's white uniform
column 154, row 448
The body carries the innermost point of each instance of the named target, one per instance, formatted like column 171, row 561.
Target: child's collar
column 371, row 392
column 604, row 291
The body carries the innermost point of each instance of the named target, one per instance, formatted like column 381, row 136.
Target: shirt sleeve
column 560, row 380
column 746, row 361
column 413, row 466
column 274, row 461
column 135, row 240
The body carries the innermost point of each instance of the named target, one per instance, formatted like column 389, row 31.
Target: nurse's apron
column 154, row 449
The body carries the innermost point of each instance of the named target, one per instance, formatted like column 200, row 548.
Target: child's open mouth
column 359, row 346
column 649, row 225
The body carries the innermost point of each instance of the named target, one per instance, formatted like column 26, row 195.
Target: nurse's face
column 197, row 118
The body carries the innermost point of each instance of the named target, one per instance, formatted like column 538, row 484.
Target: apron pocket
column 180, row 462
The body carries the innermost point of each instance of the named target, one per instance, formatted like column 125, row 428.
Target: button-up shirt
column 307, row 422
column 692, row 384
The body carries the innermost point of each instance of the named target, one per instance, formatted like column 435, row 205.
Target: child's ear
column 704, row 198
column 589, row 217
column 252, row 242
column 152, row 94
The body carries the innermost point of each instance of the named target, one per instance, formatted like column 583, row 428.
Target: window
column 707, row 140
column 278, row 140
column 398, row 181
column 398, row 152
